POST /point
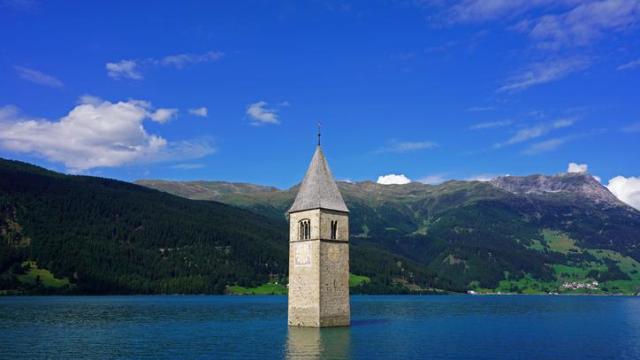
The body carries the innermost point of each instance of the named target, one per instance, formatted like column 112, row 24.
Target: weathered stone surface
column 318, row 188
column 318, row 263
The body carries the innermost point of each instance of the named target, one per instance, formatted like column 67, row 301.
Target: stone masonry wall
column 319, row 271
column 304, row 272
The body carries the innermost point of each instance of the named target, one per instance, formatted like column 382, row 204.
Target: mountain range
column 511, row 234
column 536, row 234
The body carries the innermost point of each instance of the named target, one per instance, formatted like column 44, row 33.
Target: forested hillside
column 79, row 234
column 515, row 234
column 108, row 236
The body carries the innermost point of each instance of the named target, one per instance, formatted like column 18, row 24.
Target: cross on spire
column 319, row 134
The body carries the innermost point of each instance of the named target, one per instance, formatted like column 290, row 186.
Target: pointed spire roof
column 318, row 189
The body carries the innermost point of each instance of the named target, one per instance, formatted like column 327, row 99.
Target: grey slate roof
column 318, row 189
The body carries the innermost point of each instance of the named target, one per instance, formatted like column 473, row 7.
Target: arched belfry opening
column 304, row 229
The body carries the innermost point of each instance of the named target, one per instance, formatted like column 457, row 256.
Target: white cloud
column 550, row 24
column 577, row 168
column 6, row 112
column 131, row 69
column 261, row 114
column 38, row 77
column 627, row 189
column 584, row 23
column 163, row 115
column 536, row 131
column 396, row 146
column 391, row 179
column 630, row 65
column 491, row 125
column 124, row 69
column 201, row 111
column 440, row 178
column 434, row 179
column 97, row 133
column 179, row 61
column 482, row 10
column 545, row 146
column 95, row 100
column 482, row 177
column 544, row 72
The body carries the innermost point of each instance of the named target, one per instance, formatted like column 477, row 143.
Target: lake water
column 391, row 327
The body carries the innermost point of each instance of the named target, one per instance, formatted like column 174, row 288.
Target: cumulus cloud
column 6, row 112
column 124, row 69
column 163, row 115
column 577, row 168
column 201, row 111
column 37, row 77
column 536, row 131
column 97, row 133
column 396, row 146
column 544, row 72
column 131, row 69
column 627, row 189
column 261, row 114
column 393, row 179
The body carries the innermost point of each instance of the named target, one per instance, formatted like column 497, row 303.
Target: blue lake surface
column 388, row 327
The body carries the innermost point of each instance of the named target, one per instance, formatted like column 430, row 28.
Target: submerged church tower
column 319, row 250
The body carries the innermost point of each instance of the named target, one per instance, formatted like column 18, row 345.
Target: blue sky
column 431, row 90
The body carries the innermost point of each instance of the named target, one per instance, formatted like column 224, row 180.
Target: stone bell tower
column 319, row 250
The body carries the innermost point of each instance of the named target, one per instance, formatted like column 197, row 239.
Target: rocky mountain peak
column 580, row 184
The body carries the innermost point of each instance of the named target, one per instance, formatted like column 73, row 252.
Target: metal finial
column 319, row 134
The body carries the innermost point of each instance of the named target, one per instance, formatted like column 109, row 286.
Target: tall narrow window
column 334, row 230
column 304, row 229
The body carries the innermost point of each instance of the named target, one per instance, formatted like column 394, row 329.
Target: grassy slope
column 264, row 289
column 598, row 261
column 36, row 275
column 273, row 288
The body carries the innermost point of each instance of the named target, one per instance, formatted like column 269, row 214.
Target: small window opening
column 304, row 229
column 334, row 230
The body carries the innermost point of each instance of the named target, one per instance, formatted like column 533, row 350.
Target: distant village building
column 319, row 250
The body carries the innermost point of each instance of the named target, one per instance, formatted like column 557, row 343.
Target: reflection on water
column 314, row 343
